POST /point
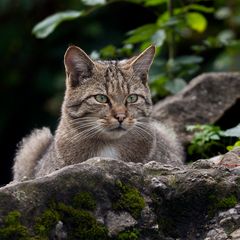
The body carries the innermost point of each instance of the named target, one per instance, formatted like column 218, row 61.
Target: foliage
column 236, row 144
column 233, row 132
column 47, row 26
column 175, row 22
column 209, row 138
column 205, row 137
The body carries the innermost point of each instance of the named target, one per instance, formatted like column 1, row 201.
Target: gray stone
column 235, row 235
column 203, row 101
column 117, row 222
column 175, row 205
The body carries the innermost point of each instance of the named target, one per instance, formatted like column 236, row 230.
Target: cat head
column 109, row 98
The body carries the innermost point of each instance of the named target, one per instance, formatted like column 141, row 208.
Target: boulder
column 204, row 100
column 111, row 199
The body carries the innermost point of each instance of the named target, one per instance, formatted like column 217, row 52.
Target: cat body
column 105, row 113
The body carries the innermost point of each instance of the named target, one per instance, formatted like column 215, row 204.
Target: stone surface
column 203, row 101
column 183, row 204
column 117, row 222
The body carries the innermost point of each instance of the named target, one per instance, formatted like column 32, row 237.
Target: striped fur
column 118, row 127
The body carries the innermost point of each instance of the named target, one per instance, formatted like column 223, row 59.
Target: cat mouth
column 118, row 129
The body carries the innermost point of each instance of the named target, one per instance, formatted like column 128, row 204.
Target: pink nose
column 120, row 117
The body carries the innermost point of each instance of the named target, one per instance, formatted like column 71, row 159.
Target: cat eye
column 101, row 98
column 132, row 98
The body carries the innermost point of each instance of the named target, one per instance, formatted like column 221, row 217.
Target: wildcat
column 105, row 113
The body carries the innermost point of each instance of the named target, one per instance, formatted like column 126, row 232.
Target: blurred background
column 192, row 37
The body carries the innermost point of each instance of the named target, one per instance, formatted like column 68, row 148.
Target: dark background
column 32, row 71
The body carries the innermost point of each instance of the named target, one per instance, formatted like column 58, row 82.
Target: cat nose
column 120, row 117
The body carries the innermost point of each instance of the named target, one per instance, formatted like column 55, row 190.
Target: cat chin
column 115, row 133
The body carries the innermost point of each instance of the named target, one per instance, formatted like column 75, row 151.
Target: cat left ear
column 78, row 65
column 142, row 63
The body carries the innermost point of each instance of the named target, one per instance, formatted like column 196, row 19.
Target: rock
column 111, row 199
column 231, row 159
column 118, row 222
column 203, row 101
column 235, row 235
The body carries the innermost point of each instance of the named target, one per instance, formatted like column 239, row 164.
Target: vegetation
column 175, row 22
column 84, row 200
column 78, row 222
column 12, row 228
column 129, row 199
column 210, row 140
column 217, row 203
column 128, row 235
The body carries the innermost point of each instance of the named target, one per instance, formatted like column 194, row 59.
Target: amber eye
column 132, row 98
column 101, row 98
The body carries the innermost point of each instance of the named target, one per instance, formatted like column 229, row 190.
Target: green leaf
column 236, row 144
column 226, row 36
column 200, row 8
column 94, row 2
column 157, row 85
column 154, row 2
column 189, row 60
column 141, row 34
column 48, row 25
column 158, row 38
column 108, row 52
column 175, row 85
column 196, row 21
column 223, row 13
column 232, row 132
column 215, row 137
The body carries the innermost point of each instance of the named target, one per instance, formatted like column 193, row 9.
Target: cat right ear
column 78, row 65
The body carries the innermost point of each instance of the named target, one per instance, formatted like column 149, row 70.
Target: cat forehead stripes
column 115, row 80
column 80, row 66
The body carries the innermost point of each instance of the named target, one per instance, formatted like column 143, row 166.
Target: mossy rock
column 12, row 228
column 84, row 200
column 78, row 223
column 217, row 203
column 130, row 200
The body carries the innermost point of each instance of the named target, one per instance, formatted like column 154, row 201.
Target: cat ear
column 78, row 65
column 142, row 63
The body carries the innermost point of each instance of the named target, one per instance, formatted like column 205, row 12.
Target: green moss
column 128, row 235
column 80, row 224
column 166, row 225
column 130, row 200
column 12, row 228
column 217, row 203
column 85, row 201
column 46, row 222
